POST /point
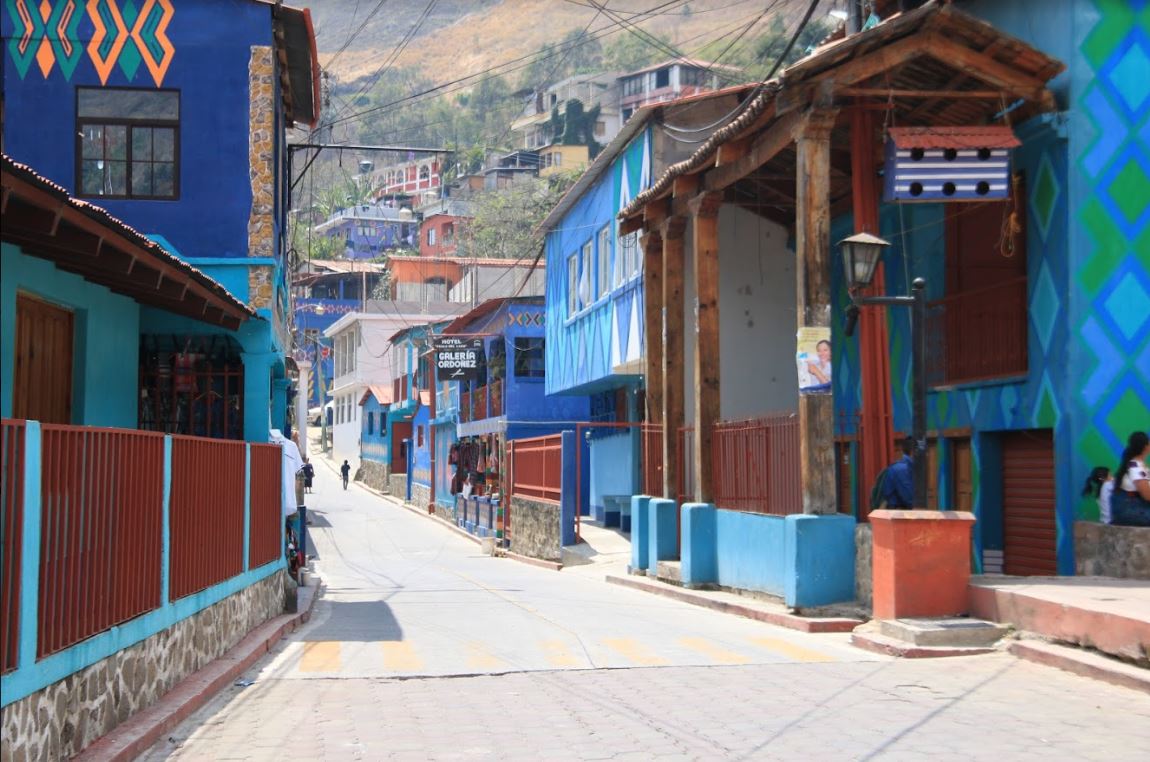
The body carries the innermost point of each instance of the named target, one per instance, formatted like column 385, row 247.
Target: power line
column 353, row 35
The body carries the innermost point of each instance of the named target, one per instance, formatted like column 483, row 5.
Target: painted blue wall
column 421, row 467
column 106, row 341
column 374, row 444
column 209, row 67
column 584, row 348
column 612, row 467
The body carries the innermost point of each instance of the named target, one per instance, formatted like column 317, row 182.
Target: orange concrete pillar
column 921, row 563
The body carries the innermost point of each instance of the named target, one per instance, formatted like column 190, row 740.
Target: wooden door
column 932, row 474
column 42, row 376
column 1028, row 503
column 962, row 474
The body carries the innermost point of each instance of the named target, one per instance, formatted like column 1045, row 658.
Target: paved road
column 423, row 648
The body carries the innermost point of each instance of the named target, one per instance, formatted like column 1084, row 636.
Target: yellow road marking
column 790, row 650
column 558, row 655
column 320, row 656
column 400, row 656
column 713, row 652
column 478, row 657
column 633, row 651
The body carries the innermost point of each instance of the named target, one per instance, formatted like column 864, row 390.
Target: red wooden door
column 1028, row 503
column 42, row 376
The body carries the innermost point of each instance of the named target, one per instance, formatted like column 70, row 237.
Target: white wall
column 497, row 283
column 756, row 317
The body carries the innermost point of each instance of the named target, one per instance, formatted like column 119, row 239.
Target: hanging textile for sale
column 185, row 366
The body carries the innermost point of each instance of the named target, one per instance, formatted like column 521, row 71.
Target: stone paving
column 987, row 707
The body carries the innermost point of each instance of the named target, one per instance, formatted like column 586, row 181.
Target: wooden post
column 652, row 244
column 813, row 297
column 670, row 336
column 705, row 219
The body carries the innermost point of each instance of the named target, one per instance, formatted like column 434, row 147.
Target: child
column 1100, row 484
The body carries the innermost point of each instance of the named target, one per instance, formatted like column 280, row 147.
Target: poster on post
column 458, row 358
column 814, row 360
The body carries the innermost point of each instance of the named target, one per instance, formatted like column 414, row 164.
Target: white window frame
column 603, row 252
column 586, row 274
column 572, row 284
column 431, row 236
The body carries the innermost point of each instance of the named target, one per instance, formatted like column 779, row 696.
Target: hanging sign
column 948, row 163
column 814, row 360
column 458, row 359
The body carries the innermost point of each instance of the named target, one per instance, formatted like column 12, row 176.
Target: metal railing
column 756, row 465
column 978, row 334
column 265, row 531
column 102, row 497
column 207, row 513
column 536, row 467
column 652, row 459
column 495, row 399
column 464, row 407
column 12, row 522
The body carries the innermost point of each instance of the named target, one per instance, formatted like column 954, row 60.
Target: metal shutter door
column 1028, row 503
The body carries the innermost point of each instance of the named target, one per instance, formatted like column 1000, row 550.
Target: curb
column 140, row 732
column 790, row 621
column 880, row 644
column 1083, row 663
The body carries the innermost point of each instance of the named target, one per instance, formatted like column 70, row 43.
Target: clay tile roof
column 993, row 136
column 382, row 394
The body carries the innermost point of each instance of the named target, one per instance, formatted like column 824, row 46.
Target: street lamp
column 861, row 253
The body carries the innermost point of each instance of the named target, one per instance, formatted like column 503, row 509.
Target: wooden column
column 670, row 336
column 705, row 220
column 813, row 297
column 652, row 244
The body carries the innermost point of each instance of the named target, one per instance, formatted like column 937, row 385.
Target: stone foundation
column 863, row 566
column 1101, row 550
column 420, row 496
column 58, row 721
column 535, row 529
column 375, row 475
column 398, row 485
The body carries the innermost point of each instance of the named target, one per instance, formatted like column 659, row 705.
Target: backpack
column 878, row 491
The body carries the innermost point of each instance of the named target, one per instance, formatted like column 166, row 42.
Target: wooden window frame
column 130, row 124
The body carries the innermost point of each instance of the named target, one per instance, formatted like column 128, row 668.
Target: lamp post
column 861, row 253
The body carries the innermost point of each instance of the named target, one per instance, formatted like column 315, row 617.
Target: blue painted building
column 596, row 328
column 368, row 231
column 175, row 124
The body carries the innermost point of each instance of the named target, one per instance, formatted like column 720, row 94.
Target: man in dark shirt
column 898, row 486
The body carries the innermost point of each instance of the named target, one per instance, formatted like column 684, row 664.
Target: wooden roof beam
column 989, row 70
column 762, row 149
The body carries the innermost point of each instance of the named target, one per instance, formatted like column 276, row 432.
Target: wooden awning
column 46, row 222
column 933, row 66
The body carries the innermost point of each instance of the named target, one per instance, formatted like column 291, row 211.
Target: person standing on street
column 308, row 475
column 345, row 470
column 898, row 480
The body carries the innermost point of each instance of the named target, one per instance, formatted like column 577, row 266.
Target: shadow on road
column 364, row 621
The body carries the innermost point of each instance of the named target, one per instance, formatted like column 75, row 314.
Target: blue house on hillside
column 596, row 326
column 174, row 123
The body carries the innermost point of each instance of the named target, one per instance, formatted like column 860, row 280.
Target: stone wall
column 398, row 485
column 535, row 529
column 420, row 496
column 261, row 157
column 60, row 720
column 1101, row 550
column 375, row 475
column 863, row 565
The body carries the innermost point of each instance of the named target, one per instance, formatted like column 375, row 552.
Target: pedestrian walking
column 308, row 475
column 1100, row 484
column 894, row 487
column 345, row 470
column 1130, row 505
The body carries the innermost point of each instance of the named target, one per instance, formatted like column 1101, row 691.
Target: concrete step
column 870, row 637
column 1081, row 662
column 670, row 571
column 958, row 632
column 1110, row 615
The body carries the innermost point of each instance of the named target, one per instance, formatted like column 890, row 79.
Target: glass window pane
column 141, row 178
column 116, row 140
column 92, row 177
column 164, row 143
column 164, row 179
column 93, row 141
column 141, row 144
column 98, row 102
column 116, row 179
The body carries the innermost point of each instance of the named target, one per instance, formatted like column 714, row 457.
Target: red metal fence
column 102, row 499
column 652, row 459
column 464, row 407
column 265, row 526
column 537, row 467
column 495, row 401
column 207, row 513
column 979, row 334
column 12, row 521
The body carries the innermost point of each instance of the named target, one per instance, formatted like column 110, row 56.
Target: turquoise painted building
column 174, row 123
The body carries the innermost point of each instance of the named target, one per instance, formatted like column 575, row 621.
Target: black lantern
column 861, row 253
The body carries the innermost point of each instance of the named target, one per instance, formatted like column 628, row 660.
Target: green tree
column 629, row 52
column 504, row 221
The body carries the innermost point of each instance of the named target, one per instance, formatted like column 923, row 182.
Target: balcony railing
column 978, row 335
column 484, row 402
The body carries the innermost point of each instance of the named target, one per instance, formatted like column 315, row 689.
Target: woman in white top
column 1130, row 505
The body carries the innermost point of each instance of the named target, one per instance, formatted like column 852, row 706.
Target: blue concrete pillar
column 567, row 489
column 258, row 394
column 640, row 540
column 819, row 559
column 279, row 404
column 663, row 532
column 699, row 553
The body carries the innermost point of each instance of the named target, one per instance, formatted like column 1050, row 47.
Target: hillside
column 461, row 37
